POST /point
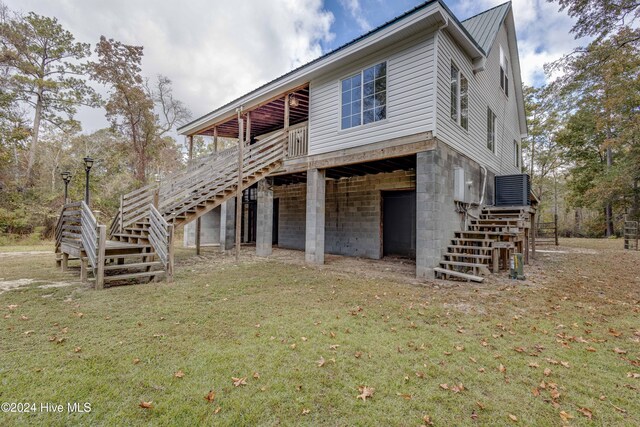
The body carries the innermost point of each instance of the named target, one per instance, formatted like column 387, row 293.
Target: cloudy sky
column 215, row 50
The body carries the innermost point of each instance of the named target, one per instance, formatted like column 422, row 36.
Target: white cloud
column 354, row 8
column 213, row 51
column 543, row 32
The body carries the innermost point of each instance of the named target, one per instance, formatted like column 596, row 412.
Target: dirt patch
column 8, row 285
column 27, row 253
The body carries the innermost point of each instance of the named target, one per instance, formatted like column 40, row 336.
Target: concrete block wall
column 209, row 229
column 436, row 215
column 352, row 213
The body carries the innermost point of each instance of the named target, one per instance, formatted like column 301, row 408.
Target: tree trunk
column 33, row 149
column 608, row 210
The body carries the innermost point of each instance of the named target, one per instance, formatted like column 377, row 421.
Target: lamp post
column 66, row 177
column 88, row 162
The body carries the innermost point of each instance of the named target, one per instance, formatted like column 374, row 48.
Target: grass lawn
column 562, row 347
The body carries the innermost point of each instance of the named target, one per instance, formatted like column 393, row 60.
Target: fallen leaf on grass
column 427, row 421
column 365, row 392
column 444, row 386
column 535, row 391
column 633, row 375
column 405, row 396
column 28, row 332
column 334, row 346
column 12, row 306
column 420, row 374
column 358, row 354
column 305, row 411
column 586, row 412
column 565, row 416
column 619, row 351
column 547, row 372
column 458, row 388
column 565, row 364
column 320, row 362
column 519, row 349
column 591, row 349
column 513, row 418
column 210, row 397
column 502, row 369
column 146, row 405
column 237, row 382
column 23, row 317
column 136, row 361
column 480, row 405
column 614, row 332
column 77, row 349
column 178, row 374
column 534, row 365
column 256, row 375
column 217, row 410
column 617, row 408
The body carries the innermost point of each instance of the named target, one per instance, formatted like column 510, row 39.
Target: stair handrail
column 93, row 238
column 61, row 225
column 255, row 157
column 134, row 204
column 160, row 234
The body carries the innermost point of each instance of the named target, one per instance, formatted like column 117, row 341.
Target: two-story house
column 388, row 145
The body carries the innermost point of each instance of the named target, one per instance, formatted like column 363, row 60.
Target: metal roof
column 484, row 26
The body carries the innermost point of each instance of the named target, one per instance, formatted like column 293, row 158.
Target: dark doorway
column 276, row 213
column 249, row 214
column 399, row 223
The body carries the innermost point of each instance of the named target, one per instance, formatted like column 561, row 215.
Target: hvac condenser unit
column 513, row 190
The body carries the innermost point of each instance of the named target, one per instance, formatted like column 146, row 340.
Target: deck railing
column 212, row 183
column 298, row 144
column 161, row 238
column 94, row 239
column 68, row 225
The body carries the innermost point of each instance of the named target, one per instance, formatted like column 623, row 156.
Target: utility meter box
column 459, row 185
column 516, row 266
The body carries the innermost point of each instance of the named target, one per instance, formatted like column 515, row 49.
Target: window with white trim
column 364, row 97
column 516, row 154
column 491, row 130
column 459, row 97
column 504, row 72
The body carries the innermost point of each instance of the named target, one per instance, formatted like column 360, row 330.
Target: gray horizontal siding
column 410, row 94
column 484, row 91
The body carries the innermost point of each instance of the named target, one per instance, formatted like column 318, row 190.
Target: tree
column 46, row 69
column 132, row 102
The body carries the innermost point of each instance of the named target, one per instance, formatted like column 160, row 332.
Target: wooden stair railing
column 94, row 239
column 161, row 238
column 259, row 159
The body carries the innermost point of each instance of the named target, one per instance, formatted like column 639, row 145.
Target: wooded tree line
column 45, row 76
column 583, row 149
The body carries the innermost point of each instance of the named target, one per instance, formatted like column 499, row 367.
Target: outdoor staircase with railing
column 478, row 250
column 139, row 242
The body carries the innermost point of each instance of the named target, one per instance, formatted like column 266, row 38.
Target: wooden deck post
column 286, row 125
column 215, row 139
column 239, row 188
column 83, row 269
column 533, row 236
column 171, row 254
column 65, row 261
column 198, row 231
column 121, row 213
column 102, row 242
column 190, row 139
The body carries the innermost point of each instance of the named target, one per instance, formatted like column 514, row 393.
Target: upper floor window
column 364, row 96
column 504, row 72
column 459, row 97
column 491, row 130
column 516, row 154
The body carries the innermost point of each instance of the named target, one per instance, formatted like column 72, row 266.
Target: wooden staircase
column 139, row 245
column 476, row 251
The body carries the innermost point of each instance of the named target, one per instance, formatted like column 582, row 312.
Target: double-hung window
column 364, row 97
column 504, row 72
column 491, row 130
column 459, row 97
